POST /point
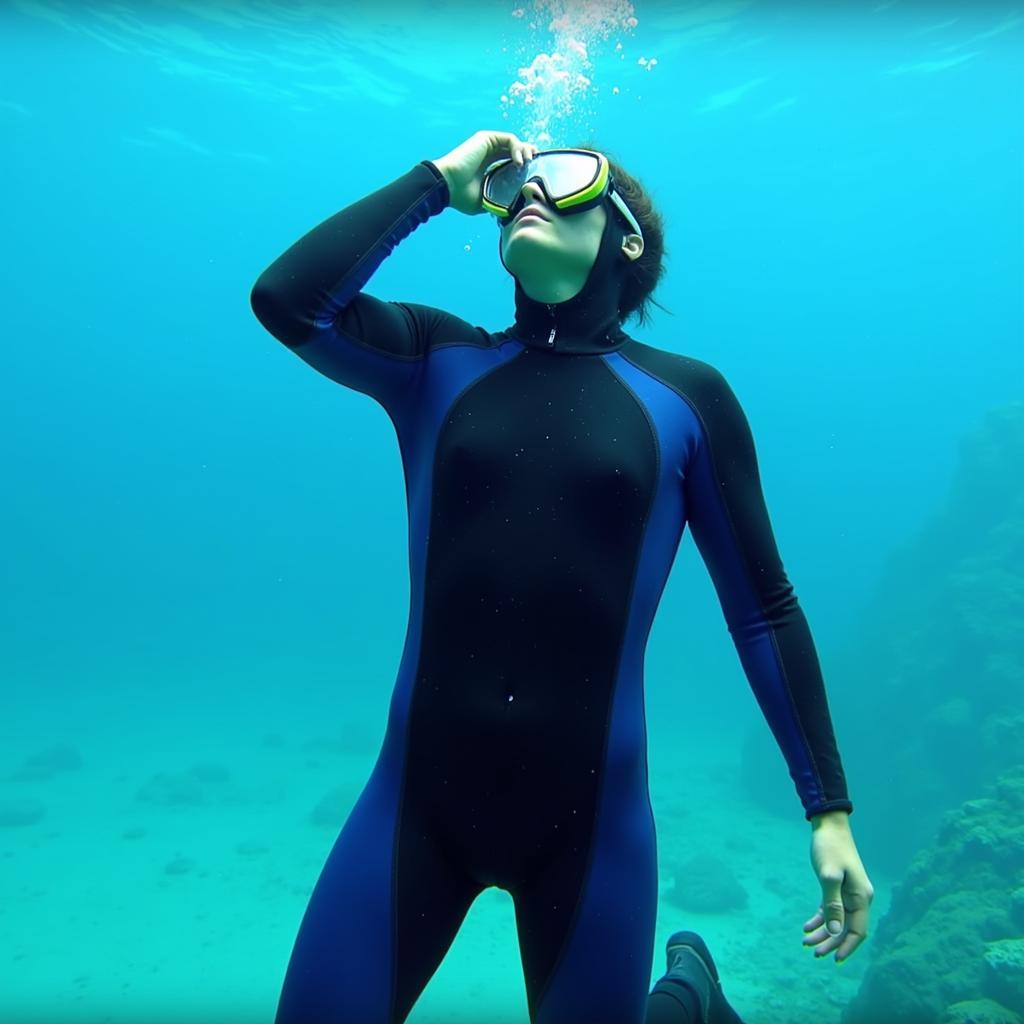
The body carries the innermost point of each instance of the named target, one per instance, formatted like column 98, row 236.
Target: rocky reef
column 950, row 950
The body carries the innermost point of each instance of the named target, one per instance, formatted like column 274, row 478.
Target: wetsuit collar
column 588, row 322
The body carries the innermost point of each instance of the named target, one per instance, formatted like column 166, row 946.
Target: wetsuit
column 549, row 469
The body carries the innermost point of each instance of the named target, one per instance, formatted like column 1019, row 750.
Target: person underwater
column 550, row 470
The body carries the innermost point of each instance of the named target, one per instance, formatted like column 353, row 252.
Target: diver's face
column 552, row 254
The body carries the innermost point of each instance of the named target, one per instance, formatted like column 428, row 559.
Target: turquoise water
column 206, row 562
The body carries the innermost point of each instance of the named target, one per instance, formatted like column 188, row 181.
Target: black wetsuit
column 550, row 469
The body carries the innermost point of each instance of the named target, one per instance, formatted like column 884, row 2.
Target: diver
column 550, row 469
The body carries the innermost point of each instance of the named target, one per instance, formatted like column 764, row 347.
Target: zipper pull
column 551, row 336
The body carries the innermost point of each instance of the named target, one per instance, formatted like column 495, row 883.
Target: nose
column 533, row 193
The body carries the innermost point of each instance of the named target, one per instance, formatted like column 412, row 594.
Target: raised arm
column 310, row 297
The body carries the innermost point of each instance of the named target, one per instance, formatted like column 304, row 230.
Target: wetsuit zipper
column 551, row 336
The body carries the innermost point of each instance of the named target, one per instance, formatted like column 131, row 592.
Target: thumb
column 832, row 903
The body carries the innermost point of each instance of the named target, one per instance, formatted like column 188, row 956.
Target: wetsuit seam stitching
column 808, row 750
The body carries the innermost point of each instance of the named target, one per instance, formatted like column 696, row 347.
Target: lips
column 530, row 211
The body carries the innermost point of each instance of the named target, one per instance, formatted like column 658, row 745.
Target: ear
column 632, row 246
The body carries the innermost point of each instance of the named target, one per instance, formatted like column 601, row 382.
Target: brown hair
column 644, row 273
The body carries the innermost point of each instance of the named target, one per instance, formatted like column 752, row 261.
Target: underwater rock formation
column 980, row 1011
column 172, row 789
column 950, row 947
column 15, row 813
column 707, row 884
column 44, row 764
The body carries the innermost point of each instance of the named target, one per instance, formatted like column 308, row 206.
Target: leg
column 370, row 939
column 594, row 966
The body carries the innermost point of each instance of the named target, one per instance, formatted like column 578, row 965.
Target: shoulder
column 694, row 379
column 703, row 387
column 432, row 328
column 436, row 328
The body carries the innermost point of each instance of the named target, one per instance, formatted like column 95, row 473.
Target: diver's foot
column 691, row 966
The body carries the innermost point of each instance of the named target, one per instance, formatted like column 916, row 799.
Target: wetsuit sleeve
column 729, row 521
column 310, row 297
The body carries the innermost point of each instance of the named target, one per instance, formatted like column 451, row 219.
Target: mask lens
column 567, row 173
column 562, row 174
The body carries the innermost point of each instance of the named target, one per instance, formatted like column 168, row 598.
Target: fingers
column 843, row 944
column 817, row 932
column 820, row 936
column 816, row 921
column 499, row 142
column 832, row 899
column 854, row 932
column 858, row 904
column 523, row 151
column 824, row 942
